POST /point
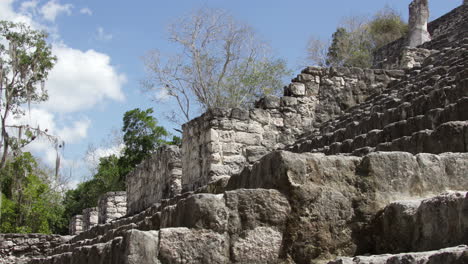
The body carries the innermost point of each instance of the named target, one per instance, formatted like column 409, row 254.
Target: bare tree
column 317, row 50
column 220, row 63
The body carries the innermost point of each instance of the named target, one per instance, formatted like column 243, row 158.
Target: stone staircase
column 410, row 115
column 384, row 182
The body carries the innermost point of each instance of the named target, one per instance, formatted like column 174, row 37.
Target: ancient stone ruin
column 349, row 166
column 418, row 18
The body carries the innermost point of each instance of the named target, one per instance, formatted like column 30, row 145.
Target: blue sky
column 100, row 44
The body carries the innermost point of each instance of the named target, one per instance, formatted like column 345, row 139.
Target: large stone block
column 334, row 198
column 423, row 224
column 183, row 245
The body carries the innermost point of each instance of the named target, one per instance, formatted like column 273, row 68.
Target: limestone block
column 141, row 247
column 269, row 102
column 199, row 211
column 240, row 114
column 297, row 89
column 247, row 138
column 183, row 245
column 254, row 153
column 260, row 115
column 260, row 245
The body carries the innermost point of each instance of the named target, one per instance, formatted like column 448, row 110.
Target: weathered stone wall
column 90, row 218
column 19, row 248
column 156, row 178
column 340, row 88
column 76, row 225
column 111, row 206
column 222, row 142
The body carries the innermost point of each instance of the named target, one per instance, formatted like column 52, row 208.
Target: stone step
column 337, row 143
column 235, row 216
column 427, row 82
column 452, row 255
column 422, row 224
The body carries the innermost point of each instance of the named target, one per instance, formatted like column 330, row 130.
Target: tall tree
column 141, row 137
column 25, row 62
column 221, row 63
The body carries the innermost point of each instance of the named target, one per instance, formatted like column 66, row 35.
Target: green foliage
column 141, row 137
column 386, row 26
column 354, row 43
column 29, row 204
column 338, row 48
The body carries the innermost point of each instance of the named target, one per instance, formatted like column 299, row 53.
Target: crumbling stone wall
column 156, row 178
column 76, row 225
column 19, row 248
column 90, row 218
column 221, row 142
column 111, row 206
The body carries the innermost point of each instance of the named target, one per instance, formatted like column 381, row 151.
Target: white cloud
column 81, row 80
column 103, row 36
column 76, row 132
column 53, row 8
column 7, row 13
column 29, row 7
column 86, row 11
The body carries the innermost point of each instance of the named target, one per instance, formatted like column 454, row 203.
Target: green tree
column 220, row 63
column 141, row 137
column 24, row 66
column 29, row 203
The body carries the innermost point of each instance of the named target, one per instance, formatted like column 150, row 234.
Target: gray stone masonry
column 90, row 218
column 156, row 178
column 19, row 248
column 222, row 142
column 111, row 206
column 76, row 225
column 418, row 18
